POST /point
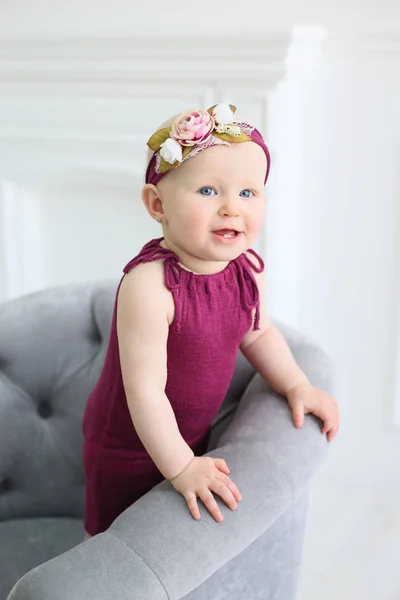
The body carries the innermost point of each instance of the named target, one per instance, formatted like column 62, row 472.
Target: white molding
column 230, row 48
column 36, row 133
column 366, row 42
column 137, row 62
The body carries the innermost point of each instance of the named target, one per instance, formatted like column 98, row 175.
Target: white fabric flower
column 223, row 114
column 230, row 129
column 171, row 151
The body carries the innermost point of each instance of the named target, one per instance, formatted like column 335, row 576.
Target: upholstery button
column 95, row 336
column 5, row 484
column 44, row 410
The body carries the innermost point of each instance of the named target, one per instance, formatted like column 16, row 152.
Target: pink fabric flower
column 192, row 128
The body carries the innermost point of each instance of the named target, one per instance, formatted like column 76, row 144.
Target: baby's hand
column 305, row 398
column 202, row 477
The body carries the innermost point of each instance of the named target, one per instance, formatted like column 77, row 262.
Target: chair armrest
column 156, row 548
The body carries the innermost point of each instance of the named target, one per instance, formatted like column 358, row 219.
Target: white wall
column 351, row 199
column 348, row 291
column 73, row 135
column 73, row 122
column 345, row 207
column 32, row 18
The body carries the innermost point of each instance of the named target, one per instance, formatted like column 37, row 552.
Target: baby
column 185, row 306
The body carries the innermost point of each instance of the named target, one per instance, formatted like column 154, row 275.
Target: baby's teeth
column 228, row 235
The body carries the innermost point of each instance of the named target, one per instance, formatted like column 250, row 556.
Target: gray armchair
column 52, row 346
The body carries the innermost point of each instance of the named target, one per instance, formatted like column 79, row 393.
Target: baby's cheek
column 255, row 222
column 196, row 218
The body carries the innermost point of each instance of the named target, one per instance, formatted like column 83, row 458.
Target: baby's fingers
column 330, row 435
column 191, row 500
column 223, row 492
column 297, row 413
column 231, row 486
column 221, row 465
column 332, row 432
column 330, row 427
column 210, row 503
column 326, row 426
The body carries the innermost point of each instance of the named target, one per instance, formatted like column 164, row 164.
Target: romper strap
column 257, row 268
column 150, row 252
column 248, row 286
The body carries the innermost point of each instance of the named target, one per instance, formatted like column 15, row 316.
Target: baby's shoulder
column 146, row 273
column 145, row 280
column 144, row 285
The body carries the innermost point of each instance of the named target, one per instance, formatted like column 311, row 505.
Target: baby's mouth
column 226, row 233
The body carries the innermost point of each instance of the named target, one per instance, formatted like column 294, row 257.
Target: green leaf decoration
column 232, row 139
column 158, row 138
column 166, row 166
column 232, row 107
column 185, row 151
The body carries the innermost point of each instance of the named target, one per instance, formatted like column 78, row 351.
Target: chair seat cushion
column 26, row 543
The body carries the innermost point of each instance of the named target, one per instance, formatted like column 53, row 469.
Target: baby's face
column 214, row 202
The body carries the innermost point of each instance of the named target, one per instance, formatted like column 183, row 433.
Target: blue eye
column 246, row 194
column 207, row 191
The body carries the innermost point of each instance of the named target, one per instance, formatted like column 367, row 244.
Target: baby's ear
column 152, row 201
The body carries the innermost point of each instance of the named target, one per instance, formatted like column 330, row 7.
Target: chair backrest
column 52, row 347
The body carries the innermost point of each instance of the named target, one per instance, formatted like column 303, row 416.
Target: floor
column 352, row 547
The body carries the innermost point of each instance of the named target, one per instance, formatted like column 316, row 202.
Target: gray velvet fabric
column 52, row 346
column 267, row 569
column 26, row 543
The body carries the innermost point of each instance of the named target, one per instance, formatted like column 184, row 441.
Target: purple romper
column 212, row 315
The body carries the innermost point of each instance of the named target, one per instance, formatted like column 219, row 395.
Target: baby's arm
column 267, row 350
column 144, row 312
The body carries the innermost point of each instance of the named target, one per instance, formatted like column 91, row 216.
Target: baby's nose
column 230, row 207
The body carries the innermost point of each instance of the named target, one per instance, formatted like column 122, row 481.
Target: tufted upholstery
column 52, row 347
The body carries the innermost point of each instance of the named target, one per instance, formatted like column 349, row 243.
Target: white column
column 21, row 259
column 396, row 374
column 396, row 409
column 285, row 201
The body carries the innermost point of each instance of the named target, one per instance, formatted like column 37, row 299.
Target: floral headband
column 194, row 131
